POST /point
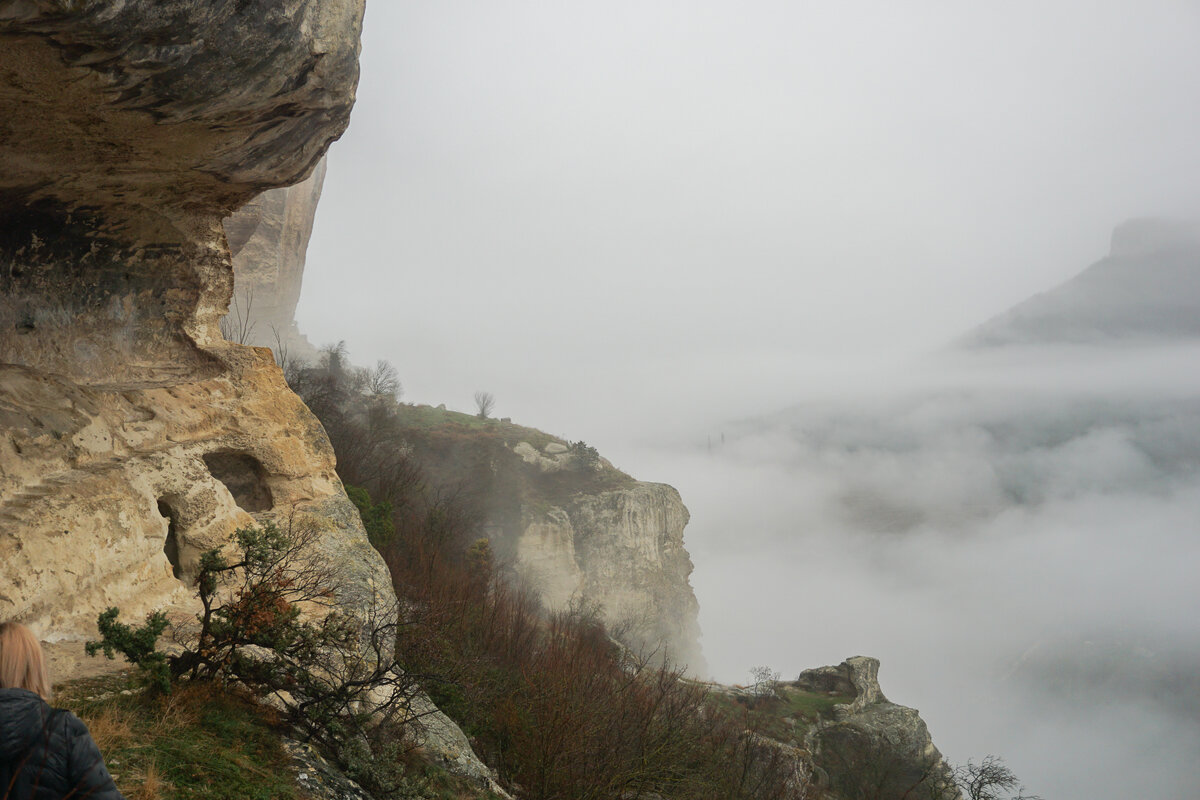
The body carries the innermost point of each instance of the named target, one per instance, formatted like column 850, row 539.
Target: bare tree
column 384, row 381
column 484, row 403
column 281, row 350
column 238, row 324
column 764, row 680
column 991, row 779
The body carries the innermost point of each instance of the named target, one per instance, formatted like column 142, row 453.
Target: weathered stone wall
column 132, row 435
column 621, row 550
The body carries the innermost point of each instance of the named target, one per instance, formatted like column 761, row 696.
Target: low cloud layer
column 1016, row 539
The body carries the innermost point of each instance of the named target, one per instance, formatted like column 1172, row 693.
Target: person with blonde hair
column 45, row 753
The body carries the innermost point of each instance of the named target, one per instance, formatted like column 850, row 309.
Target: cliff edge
column 845, row 738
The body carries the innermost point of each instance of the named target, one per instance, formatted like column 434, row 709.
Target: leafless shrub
column 484, row 403
column 238, row 324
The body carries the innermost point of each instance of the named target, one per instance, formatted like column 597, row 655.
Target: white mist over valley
column 1018, row 551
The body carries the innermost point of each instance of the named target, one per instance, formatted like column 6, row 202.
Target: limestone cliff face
column 623, row 551
column 576, row 529
column 132, row 435
column 268, row 238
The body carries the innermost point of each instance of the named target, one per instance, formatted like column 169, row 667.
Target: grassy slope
column 459, row 449
column 198, row 742
column 201, row 743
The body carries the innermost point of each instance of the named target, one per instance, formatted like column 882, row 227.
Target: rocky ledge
column 870, row 746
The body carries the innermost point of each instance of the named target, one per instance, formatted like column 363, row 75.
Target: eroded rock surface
column 580, row 532
column 623, row 551
column 268, row 238
column 870, row 746
column 161, row 105
column 132, row 435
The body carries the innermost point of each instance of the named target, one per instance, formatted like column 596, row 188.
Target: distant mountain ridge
column 1147, row 289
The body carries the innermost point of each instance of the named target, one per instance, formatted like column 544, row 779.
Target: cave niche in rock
column 244, row 477
column 171, row 545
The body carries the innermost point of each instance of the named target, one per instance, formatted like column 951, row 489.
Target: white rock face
column 621, row 550
column 108, row 496
column 268, row 238
column 546, row 558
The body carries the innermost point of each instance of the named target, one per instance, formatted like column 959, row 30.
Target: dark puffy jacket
column 48, row 754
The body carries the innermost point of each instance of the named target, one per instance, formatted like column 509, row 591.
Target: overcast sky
column 558, row 200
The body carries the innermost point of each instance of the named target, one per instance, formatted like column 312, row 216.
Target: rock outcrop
column 870, row 747
column 841, row 738
column 621, row 550
column 133, row 435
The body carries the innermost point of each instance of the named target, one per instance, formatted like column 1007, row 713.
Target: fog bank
column 1015, row 536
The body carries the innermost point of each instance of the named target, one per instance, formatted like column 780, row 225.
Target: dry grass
column 200, row 742
column 111, row 727
column 180, row 709
column 151, row 785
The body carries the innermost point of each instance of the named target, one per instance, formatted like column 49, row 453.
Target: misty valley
column 1009, row 523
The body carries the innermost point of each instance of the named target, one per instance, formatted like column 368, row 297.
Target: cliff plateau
column 133, row 435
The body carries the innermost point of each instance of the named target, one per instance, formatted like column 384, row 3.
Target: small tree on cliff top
column 484, row 403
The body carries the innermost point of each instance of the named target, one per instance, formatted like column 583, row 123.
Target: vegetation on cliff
column 271, row 627
column 550, row 700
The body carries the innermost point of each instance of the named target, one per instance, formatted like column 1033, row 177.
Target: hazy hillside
column 1146, row 290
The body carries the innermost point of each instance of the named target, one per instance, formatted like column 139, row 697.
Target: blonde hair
column 22, row 663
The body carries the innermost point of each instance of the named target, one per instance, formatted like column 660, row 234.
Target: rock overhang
column 152, row 108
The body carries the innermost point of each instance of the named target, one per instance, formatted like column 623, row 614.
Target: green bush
column 586, row 457
column 376, row 517
column 138, row 645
